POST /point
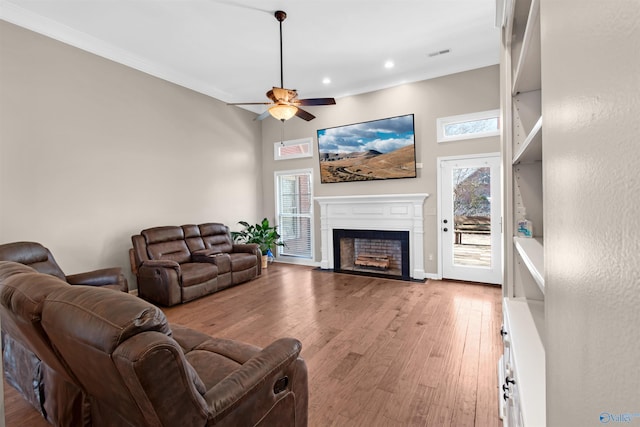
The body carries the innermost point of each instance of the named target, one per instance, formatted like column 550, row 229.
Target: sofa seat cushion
column 242, row 261
column 212, row 358
column 211, row 366
column 195, row 273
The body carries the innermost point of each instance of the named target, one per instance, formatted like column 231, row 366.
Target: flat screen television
column 367, row 151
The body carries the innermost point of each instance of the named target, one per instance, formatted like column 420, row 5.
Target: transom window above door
column 467, row 126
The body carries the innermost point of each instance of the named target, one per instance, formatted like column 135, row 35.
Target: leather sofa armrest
column 162, row 263
column 251, row 248
column 160, row 281
column 260, row 372
column 102, row 277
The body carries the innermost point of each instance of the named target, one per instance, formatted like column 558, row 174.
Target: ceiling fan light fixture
column 284, row 102
column 283, row 111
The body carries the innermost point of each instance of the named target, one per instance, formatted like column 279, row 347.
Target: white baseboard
column 297, row 261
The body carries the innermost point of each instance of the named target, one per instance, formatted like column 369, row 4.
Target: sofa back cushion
column 32, row 254
column 192, row 237
column 22, row 293
column 167, row 243
column 216, row 236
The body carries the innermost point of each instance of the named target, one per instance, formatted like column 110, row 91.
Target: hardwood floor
column 379, row 352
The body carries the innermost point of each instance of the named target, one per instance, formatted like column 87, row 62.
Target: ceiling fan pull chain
column 282, row 134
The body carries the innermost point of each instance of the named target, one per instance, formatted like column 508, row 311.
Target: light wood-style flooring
column 379, row 352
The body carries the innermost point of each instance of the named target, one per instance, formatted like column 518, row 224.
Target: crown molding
column 47, row 27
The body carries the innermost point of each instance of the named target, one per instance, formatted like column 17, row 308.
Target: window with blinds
column 295, row 212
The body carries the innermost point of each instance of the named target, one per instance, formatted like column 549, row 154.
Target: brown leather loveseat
column 176, row 264
column 129, row 367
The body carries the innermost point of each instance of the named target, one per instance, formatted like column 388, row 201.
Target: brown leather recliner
column 40, row 258
column 137, row 370
column 25, row 370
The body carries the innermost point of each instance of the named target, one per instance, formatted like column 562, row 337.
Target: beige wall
column 461, row 93
column 92, row 152
column 591, row 105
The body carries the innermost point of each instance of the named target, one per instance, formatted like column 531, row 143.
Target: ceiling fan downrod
column 281, row 16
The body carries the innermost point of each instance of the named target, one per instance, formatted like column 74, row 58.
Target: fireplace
column 389, row 212
column 372, row 252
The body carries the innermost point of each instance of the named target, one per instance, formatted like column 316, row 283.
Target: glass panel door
column 472, row 216
column 470, row 228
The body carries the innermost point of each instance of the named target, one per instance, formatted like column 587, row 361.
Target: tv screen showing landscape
column 379, row 149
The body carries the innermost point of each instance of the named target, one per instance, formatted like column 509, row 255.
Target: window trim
column 302, row 141
column 462, row 118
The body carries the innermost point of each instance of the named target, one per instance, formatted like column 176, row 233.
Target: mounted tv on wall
column 379, row 149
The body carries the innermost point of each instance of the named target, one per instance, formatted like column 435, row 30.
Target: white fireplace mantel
column 397, row 212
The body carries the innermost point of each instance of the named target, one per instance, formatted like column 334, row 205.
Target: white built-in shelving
column 524, row 287
column 531, row 252
column 526, row 74
column 525, row 320
column 531, row 149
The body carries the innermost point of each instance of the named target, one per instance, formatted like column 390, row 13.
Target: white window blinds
column 295, row 205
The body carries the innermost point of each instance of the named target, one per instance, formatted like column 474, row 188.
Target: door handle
column 445, row 229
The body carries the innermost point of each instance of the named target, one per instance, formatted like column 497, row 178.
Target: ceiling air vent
column 439, row 52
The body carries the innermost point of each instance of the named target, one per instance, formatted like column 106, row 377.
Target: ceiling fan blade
column 262, row 116
column 305, row 115
column 316, row 101
column 249, row 103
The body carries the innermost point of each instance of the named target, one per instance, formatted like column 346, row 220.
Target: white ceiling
column 229, row 49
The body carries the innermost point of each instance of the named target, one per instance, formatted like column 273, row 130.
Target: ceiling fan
column 284, row 102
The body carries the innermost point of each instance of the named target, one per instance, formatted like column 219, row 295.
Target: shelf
column 525, row 321
column 532, row 253
column 531, row 149
column 527, row 75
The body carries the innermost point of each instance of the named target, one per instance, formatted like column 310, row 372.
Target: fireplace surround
column 388, row 212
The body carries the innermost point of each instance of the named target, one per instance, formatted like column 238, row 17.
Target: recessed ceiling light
column 326, row 80
column 389, row 64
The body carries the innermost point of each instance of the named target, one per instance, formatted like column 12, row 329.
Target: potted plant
column 265, row 235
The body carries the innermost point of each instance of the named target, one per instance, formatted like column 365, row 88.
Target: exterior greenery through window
column 295, row 212
column 472, row 192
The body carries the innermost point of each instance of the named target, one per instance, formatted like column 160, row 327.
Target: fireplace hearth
column 372, row 252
